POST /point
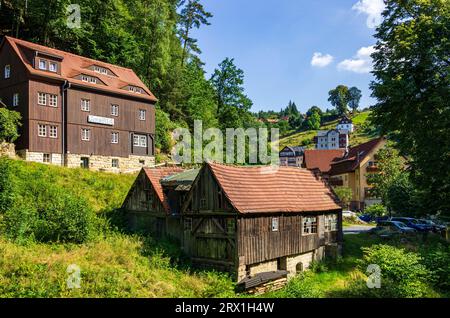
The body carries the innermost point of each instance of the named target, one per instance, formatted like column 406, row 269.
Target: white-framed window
column 42, row 99
column 274, row 224
column 53, row 67
column 140, row 140
column 115, row 163
column 114, row 110
column 7, row 71
column 100, row 70
column 93, row 80
column 16, row 99
column 84, row 78
column 43, row 64
column 42, row 130
column 85, row 105
column 309, row 225
column 114, row 137
column 85, row 134
column 53, row 100
column 142, row 114
column 330, row 222
column 47, row 158
column 53, row 132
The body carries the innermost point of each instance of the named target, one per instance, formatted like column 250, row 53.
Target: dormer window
column 89, row 79
column 135, row 89
column 7, row 71
column 84, row 78
column 42, row 64
column 93, row 80
column 101, row 70
column 53, row 67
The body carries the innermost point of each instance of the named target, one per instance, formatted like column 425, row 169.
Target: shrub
column 437, row 260
column 9, row 121
column 302, row 286
column 376, row 210
column 402, row 273
column 6, row 185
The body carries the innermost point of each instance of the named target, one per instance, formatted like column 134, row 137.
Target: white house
column 332, row 139
column 345, row 124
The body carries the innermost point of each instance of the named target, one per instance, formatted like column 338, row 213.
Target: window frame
column 50, row 97
column 49, row 157
column 330, row 223
column 309, row 225
column 85, row 134
column 85, row 102
column 42, row 133
column 44, row 61
column 7, row 71
column 114, row 110
column 54, row 129
column 16, row 100
column 139, row 139
column 113, row 139
column 55, row 70
column 115, row 163
column 275, row 224
column 42, row 99
column 144, row 113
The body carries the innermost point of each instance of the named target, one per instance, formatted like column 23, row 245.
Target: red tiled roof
column 155, row 175
column 321, row 159
column 262, row 190
column 73, row 65
column 355, row 155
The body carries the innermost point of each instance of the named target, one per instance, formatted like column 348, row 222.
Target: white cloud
column 360, row 63
column 373, row 9
column 321, row 60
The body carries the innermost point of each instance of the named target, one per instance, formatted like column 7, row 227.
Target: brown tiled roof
column 73, row 65
column 265, row 190
column 155, row 175
column 321, row 159
column 355, row 155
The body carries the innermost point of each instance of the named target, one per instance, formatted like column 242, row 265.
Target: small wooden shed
column 251, row 221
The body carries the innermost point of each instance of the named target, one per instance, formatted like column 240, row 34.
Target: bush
column 402, row 273
column 376, row 210
column 6, row 185
column 9, row 121
column 302, row 286
column 437, row 260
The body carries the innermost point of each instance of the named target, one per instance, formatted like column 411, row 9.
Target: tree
column 354, row 96
column 232, row 103
column 412, row 80
column 338, row 97
column 9, row 123
column 314, row 109
column 345, row 195
column 192, row 15
column 313, row 121
column 390, row 167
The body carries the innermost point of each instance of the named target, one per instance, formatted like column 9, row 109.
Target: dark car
column 387, row 228
column 435, row 227
column 414, row 223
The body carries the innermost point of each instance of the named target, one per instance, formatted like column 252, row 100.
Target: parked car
column 349, row 214
column 388, row 228
column 414, row 223
column 366, row 218
column 435, row 227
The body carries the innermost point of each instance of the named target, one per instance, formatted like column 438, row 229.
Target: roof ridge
column 24, row 42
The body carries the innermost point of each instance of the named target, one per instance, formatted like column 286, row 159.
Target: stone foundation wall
column 8, row 150
column 104, row 163
column 56, row 158
column 293, row 264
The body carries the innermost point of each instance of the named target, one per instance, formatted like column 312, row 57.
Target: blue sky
column 274, row 42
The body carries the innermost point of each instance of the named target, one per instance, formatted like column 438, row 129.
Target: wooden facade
column 217, row 235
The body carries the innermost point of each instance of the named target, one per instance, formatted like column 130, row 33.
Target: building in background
column 321, row 160
column 351, row 171
column 291, row 156
column 345, row 124
column 77, row 111
column 332, row 139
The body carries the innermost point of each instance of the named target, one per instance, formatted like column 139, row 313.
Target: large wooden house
column 259, row 223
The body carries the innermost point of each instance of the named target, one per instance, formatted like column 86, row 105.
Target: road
column 356, row 229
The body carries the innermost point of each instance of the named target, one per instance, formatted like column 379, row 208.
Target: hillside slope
column 359, row 136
